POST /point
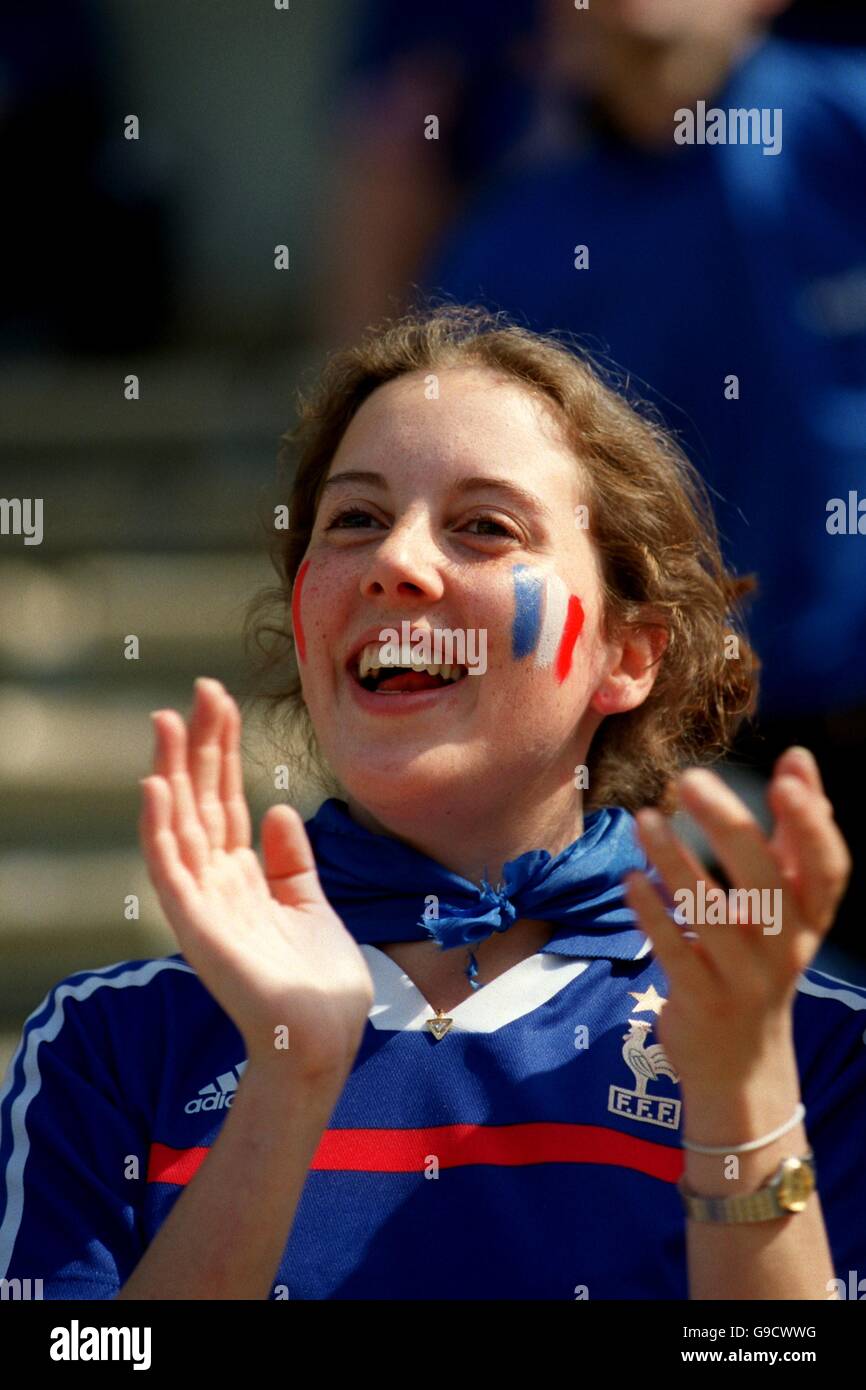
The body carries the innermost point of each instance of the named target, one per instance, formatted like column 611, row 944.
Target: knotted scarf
column 384, row 890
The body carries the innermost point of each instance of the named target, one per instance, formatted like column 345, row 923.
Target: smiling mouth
column 397, row 680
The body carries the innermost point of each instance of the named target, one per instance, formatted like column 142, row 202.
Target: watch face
column 796, row 1186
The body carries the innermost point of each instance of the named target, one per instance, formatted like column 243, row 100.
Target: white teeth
column 370, row 662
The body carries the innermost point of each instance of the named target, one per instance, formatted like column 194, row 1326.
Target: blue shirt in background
column 707, row 261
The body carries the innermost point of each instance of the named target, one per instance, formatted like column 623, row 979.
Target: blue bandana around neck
column 381, row 888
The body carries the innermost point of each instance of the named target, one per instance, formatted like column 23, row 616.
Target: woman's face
column 467, row 519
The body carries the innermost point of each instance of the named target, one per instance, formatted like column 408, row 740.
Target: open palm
column 265, row 942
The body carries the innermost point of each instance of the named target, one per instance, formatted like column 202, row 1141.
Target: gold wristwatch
column 788, row 1190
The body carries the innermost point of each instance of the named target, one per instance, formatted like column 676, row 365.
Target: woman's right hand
column 271, row 950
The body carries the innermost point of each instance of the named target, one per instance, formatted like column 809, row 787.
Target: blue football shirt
column 530, row 1152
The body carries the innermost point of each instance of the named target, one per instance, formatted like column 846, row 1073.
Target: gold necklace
column 440, row 1023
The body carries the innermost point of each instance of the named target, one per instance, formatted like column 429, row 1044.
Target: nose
column 406, row 561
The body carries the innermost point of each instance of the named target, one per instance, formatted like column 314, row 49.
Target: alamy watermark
column 21, row 1290
column 77, row 1343
column 738, row 126
column 436, row 647
column 855, row 1288
column 22, row 516
column 713, row 906
column 846, row 518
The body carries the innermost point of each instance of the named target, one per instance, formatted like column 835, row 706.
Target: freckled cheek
column 298, row 607
column 312, row 612
column 315, row 612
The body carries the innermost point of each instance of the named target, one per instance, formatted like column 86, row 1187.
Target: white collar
column 399, row 1006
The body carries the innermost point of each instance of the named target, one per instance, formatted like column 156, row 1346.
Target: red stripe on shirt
column 406, row 1150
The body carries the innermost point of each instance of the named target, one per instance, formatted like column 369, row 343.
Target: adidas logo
column 217, row 1095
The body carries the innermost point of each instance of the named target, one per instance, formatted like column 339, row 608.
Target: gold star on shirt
column 649, row 1001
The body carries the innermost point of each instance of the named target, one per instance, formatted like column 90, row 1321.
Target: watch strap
column 763, row 1205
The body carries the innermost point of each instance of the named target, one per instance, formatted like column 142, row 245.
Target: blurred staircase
column 150, row 528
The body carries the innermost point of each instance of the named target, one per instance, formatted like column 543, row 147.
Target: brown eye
column 335, row 522
column 493, row 521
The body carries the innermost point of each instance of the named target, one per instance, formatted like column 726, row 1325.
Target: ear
column 632, row 674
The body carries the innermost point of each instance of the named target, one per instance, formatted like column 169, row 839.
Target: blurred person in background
column 395, row 189
column 83, row 203
column 731, row 285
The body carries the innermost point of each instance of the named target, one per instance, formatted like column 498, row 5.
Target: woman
column 461, row 1056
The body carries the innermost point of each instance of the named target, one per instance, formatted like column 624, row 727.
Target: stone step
column 74, row 617
column 70, row 764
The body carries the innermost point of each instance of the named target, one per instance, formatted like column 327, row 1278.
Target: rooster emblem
column 645, row 1063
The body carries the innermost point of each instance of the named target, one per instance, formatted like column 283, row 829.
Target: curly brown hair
column 650, row 518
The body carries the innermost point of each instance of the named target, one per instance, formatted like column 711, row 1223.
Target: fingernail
column 653, row 823
column 803, row 755
column 698, row 780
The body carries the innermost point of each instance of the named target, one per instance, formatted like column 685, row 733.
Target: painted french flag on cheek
column 547, row 620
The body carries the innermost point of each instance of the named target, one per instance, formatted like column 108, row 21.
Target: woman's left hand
column 732, row 987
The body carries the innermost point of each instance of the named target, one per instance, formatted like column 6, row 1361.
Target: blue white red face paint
column 297, row 622
column 547, row 620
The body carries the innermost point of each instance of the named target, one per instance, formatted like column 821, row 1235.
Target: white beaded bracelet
column 795, row 1119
